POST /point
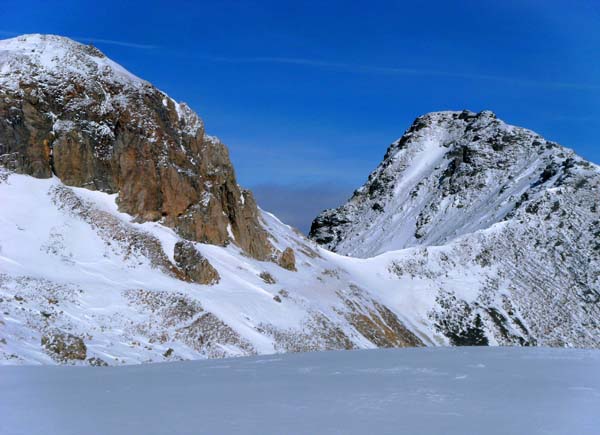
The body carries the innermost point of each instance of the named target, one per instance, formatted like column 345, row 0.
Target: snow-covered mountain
column 518, row 216
column 126, row 238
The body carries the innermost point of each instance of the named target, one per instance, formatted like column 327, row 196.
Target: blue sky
column 308, row 95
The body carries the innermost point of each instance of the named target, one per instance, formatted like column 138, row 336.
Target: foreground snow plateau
column 416, row 391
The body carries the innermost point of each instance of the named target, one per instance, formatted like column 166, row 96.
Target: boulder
column 287, row 259
column 194, row 266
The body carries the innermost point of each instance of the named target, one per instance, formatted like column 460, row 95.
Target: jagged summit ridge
column 450, row 174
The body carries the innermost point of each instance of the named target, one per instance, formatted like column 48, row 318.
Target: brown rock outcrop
column 287, row 259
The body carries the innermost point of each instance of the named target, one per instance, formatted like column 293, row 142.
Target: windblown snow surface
column 413, row 391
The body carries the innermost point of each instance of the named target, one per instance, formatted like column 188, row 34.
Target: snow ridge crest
column 53, row 58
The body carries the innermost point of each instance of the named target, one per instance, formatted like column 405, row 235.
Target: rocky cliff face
column 67, row 110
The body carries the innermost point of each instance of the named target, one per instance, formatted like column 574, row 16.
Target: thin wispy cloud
column 92, row 40
column 370, row 69
column 114, row 42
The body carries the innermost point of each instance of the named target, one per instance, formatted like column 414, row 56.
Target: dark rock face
column 323, row 229
column 86, row 120
column 194, row 266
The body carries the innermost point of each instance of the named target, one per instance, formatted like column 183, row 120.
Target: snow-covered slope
column 80, row 281
column 414, row 391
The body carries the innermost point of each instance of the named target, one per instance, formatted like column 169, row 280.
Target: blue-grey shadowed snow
column 413, row 391
column 299, row 205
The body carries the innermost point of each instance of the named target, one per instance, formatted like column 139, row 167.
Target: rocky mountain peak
column 68, row 110
column 450, row 174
